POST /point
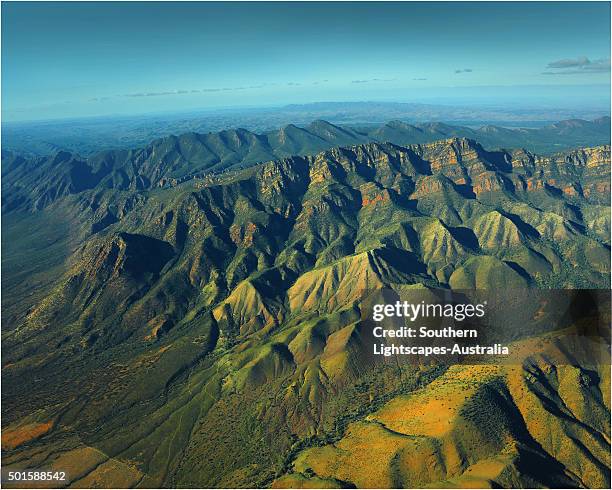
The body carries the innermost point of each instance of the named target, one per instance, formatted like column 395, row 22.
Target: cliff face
column 204, row 333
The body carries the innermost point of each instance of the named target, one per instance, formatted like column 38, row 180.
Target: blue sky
column 88, row 59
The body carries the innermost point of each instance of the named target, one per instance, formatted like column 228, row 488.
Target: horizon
column 604, row 109
column 137, row 59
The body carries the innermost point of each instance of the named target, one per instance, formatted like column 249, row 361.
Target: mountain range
column 191, row 313
column 87, row 137
column 37, row 181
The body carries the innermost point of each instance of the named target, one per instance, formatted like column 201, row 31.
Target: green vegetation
column 193, row 329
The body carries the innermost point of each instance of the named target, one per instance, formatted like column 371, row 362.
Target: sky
column 64, row 60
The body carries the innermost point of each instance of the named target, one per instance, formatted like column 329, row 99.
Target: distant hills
column 88, row 137
column 547, row 139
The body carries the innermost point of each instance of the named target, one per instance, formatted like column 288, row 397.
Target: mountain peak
column 290, row 127
column 571, row 123
column 397, row 124
column 322, row 123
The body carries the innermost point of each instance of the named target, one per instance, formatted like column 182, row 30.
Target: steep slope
column 440, row 435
